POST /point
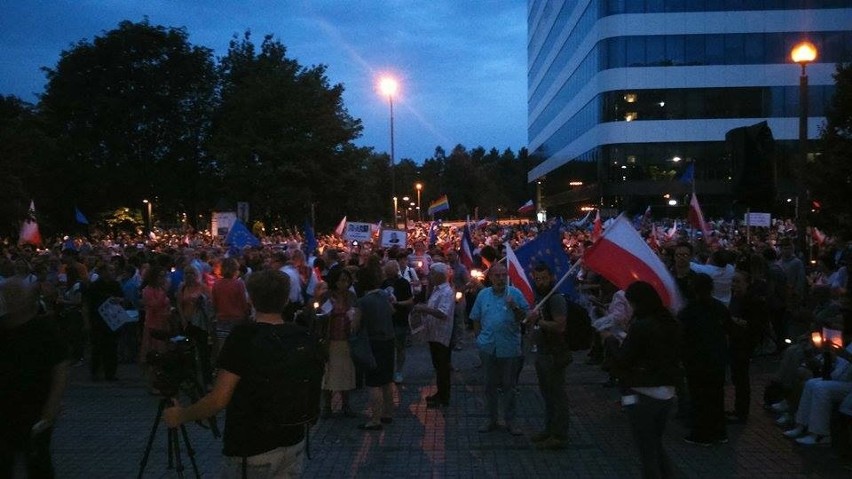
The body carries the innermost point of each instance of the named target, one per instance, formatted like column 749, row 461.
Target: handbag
column 361, row 351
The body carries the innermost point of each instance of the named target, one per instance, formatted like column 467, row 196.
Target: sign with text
column 221, row 223
column 758, row 219
column 359, row 232
column 393, row 238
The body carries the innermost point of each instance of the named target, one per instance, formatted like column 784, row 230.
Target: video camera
column 174, row 366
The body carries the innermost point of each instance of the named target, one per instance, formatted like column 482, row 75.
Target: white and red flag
column 622, row 257
column 29, row 230
column 696, row 218
column 818, row 236
column 341, row 227
column 670, row 234
column 597, row 228
column 517, row 276
column 467, row 247
column 527, row 208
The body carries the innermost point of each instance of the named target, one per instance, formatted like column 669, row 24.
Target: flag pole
column 559, row 283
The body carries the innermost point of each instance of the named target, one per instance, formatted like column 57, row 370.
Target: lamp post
column 803, row 53
column 388, row 87
column 148, row 221
column 419, row 187
column 405, row 210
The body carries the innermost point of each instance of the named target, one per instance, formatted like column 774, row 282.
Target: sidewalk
column 104, row 428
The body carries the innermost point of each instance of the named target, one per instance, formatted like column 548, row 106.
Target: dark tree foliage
column 131, row 113
column 25, row 154
column 282, row 137
column 829, row 178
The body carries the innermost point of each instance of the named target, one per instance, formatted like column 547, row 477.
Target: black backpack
column 290, row 373
column 578, row 326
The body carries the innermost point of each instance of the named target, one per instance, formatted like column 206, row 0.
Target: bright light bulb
column 388, row 86
column 804, row 52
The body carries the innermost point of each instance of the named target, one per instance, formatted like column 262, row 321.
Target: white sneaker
column 785, row 419
column 397, row 377
column 795, row 432
column 781, row 406
column 814, row 440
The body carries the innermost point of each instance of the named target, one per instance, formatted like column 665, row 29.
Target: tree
column 282, row 138
column 829, row 178
column 131, row 112
column 26, row 151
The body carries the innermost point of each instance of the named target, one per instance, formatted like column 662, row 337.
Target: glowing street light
column 419, row 187
column 388, row 86
column 803, row 53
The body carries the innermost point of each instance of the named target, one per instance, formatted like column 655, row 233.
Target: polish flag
column 597, row 229
column 517, row 277
column 670, row 234
column 653, row 242
column 29, row 230
column 527, row 208
column 467, row 247
column 341, row 227
column 818, row 236
column 622, row 257
column 696, row 218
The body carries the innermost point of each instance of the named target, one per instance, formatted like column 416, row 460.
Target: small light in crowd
column 476, row 274
column 458, row 295
column 623, row 167
column 662, row 104
column 667, row 196
column 173, row 270
column 630, row 116
column 813, row 261
column 789, row 200
column 575, row 183
column 316, row 305
column 630, row 98
column 672, row 202
column 419, row 264
column 816, row 337
column 676, row 159
column 788, row 340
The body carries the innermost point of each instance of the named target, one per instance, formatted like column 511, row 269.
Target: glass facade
column 564, row 66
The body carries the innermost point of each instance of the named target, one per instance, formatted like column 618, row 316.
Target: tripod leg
column 189, row 450
column 144, row 462
column 174, row 442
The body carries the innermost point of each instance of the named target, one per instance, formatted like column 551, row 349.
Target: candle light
column 816, row 337
column 316, row 305
column 419, row 264
column 458, row 295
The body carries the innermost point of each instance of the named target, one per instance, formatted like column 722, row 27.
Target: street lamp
column 419, row 187
column 148, row 221
column 405, row 210
column 388, row 86
column 803, row 53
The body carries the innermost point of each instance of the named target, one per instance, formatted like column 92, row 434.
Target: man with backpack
column 269, row 380
column 553, row 357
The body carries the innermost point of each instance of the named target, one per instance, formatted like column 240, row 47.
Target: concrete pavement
column 104, row 427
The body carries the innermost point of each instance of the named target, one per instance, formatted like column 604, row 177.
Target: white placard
column 393, row 238
column 758, row 219
column 358, row 232
column 114, row 315
column 221, row 223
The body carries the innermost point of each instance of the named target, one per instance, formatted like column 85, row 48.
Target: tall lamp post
column 405, row 209
column 148, row 221
column 389, row 87
column 803, row 53
column 419, row 187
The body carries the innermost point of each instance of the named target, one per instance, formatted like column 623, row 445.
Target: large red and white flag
column 341, row 227
column 29, row 230
column 597, row 228
column 622, row 257
column 527, row 208
column 517, row 277
column 696, row 218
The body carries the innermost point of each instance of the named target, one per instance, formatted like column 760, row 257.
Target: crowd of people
column 745, row 291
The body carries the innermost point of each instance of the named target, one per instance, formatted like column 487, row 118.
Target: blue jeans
column 501, row 377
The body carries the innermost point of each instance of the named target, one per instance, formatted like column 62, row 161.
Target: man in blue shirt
column 497, row 314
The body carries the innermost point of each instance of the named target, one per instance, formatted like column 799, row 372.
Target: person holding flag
column 497, row 314
column 552, row 359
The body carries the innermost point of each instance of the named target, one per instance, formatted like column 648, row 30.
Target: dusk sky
column 461, row 64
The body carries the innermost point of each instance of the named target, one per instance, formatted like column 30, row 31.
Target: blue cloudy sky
column 461, row 64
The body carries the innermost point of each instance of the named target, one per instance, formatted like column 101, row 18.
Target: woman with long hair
column 157, row 312
column 193, row 305
column 648, row 365
column 339, row 370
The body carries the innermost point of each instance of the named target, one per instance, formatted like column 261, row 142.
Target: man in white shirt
column 721, row 271
column 438, row 316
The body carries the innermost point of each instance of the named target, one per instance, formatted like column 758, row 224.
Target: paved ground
column 104, row 428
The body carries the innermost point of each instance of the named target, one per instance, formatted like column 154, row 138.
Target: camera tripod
column 173, row 444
